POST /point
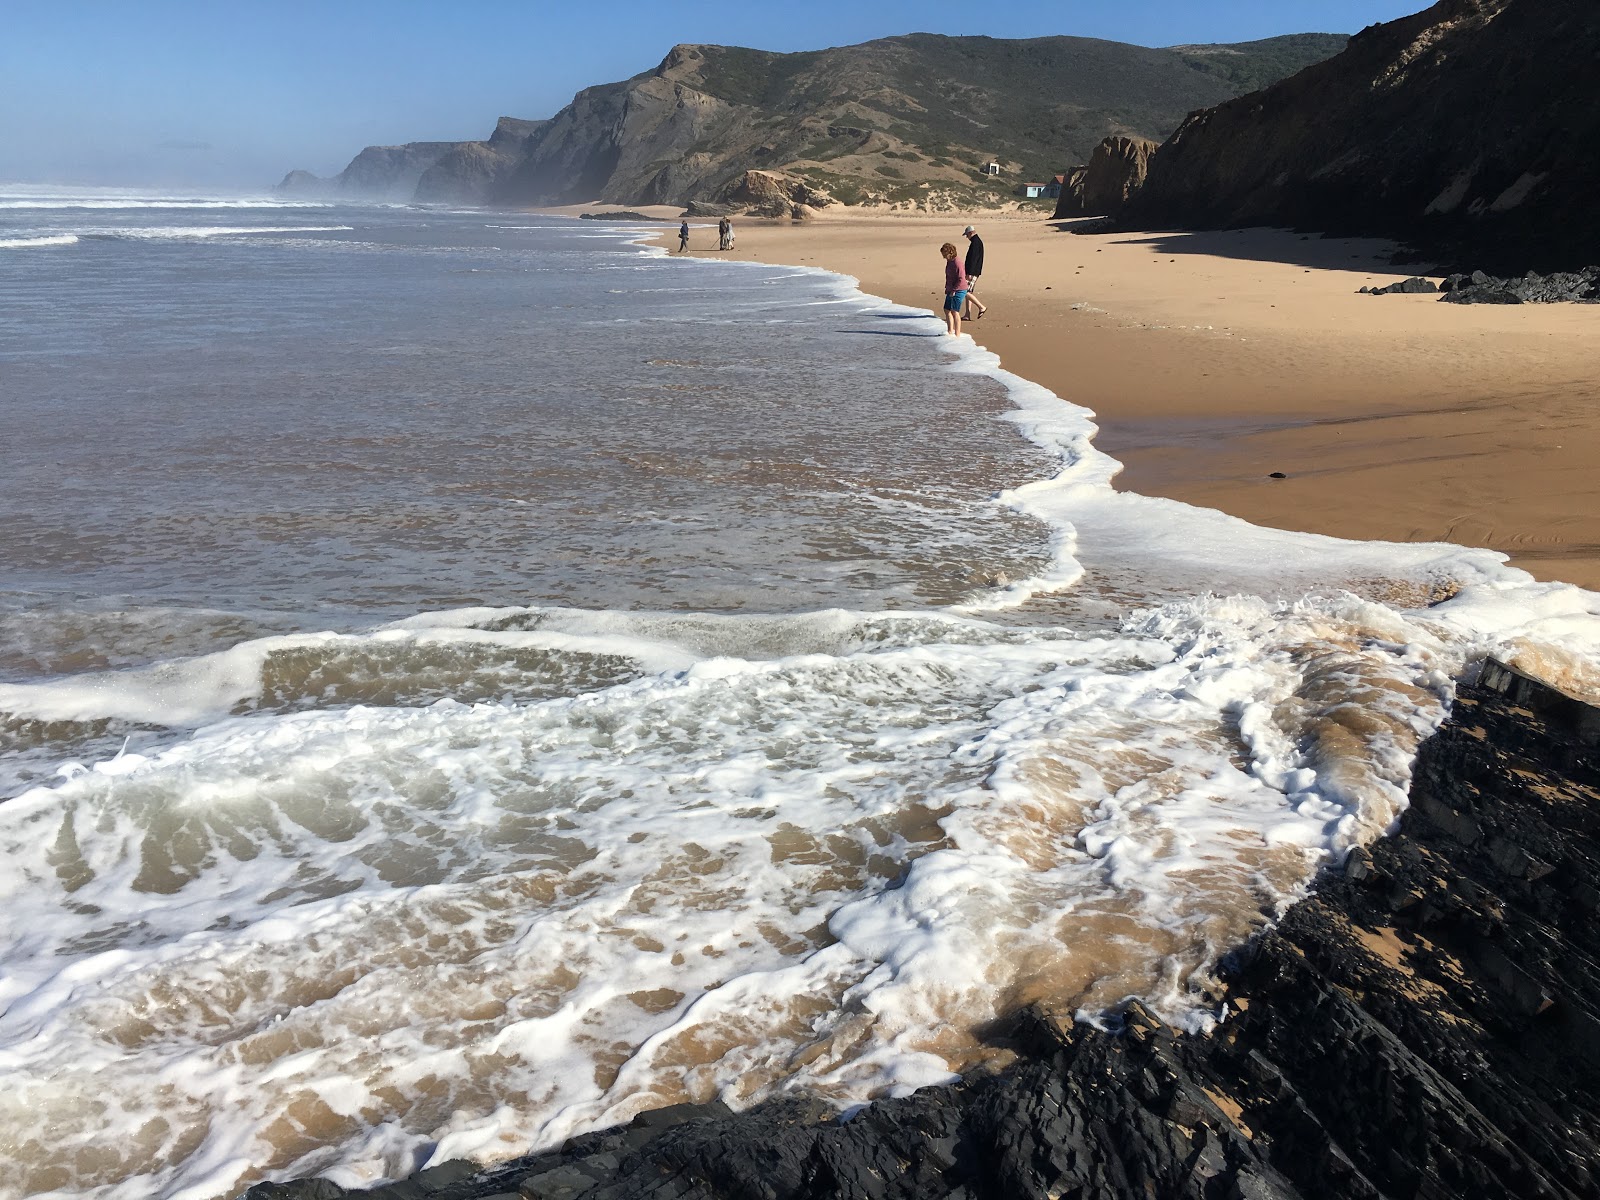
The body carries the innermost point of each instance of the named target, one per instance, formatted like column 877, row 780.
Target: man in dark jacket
column 974, row 266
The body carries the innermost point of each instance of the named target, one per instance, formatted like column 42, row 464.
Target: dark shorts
column 954, row 301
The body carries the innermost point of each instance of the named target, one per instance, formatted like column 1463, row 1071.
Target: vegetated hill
column 1471, row 130
column 904, row 120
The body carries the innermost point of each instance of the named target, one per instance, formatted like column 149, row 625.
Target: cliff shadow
column 1314, row 251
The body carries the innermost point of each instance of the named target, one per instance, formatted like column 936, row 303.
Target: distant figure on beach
column 974, row 269
column 683, row 237
column 724, row 228
column 730, row 234
column 955, row 289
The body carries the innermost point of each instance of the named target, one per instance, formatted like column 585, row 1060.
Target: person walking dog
column 974, row 265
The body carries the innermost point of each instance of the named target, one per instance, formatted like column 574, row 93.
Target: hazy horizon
column 174, row 94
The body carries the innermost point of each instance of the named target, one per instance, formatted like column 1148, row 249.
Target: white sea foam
column 27, row 243
column 171, row 232
column 48, row 196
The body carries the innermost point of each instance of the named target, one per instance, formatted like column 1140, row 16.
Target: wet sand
column 1216, row 359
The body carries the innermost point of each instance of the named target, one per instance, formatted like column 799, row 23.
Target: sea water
column 467, row 678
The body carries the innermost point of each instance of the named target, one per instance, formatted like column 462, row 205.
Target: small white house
column 991, row 168
column 1032, row 190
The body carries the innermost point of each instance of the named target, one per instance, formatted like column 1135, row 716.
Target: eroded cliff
column 1471, row 129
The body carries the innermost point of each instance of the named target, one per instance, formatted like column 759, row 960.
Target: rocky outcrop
column 1425, row 1024
column 1471, row 129
column 1115, row 170
column 1408, row 287
column 767, row 194
column 1581, row 287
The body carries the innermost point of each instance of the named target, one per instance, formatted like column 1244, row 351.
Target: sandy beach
column 1213, row 360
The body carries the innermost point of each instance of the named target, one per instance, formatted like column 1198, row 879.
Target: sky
column 231, row 94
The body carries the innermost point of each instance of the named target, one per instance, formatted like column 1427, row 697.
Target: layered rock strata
column 1425, row 1024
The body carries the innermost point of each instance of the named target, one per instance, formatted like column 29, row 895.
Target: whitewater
column 467, row 679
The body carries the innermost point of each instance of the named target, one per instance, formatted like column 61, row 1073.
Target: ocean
column 467, row 678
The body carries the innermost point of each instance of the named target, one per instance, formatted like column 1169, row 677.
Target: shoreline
column 1212, row 360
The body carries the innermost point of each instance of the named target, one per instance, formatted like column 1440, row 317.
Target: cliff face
column 377, row 173
column 452, row 172
column 905, row 120
column 1472, row 128
column 469, row 171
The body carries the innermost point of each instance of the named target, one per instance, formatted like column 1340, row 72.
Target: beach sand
column 1213, row 360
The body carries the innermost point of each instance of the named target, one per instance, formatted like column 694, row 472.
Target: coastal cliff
column 377, row 173
column 907, row 121
column 1426, row 1023
column 1471, row 129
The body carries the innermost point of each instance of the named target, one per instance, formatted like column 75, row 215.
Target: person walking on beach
column 974, row 267
column 955, row 290
column 730, row 231
column 722, row 233
column 683, row 238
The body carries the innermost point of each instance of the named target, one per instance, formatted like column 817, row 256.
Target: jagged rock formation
column 1425, row 1024
column 1413, row 286
column 1471, row 129
column 904, row 120
column 1115, row 170
column 1582, row 287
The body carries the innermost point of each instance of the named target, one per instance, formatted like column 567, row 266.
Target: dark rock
column 298, row 1189
column 618, row 216
column 1276, row 475
column 1425, row 1024
column 1581, row 287
column 1416, row 284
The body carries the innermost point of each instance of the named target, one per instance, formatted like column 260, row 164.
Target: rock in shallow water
column 1426, row 1024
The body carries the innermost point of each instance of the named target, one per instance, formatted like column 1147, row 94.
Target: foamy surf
column 291, row 900
column 29, row 243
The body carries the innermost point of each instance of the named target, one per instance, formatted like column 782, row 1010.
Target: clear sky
column 233, row 93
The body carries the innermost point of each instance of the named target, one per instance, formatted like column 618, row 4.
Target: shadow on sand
column 1311, row 250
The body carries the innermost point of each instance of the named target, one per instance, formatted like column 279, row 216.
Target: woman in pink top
column 955, row 289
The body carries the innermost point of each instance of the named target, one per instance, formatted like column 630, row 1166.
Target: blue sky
column 236, row 92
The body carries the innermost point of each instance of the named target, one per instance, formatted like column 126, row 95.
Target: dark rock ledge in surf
column 1427, row 1023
